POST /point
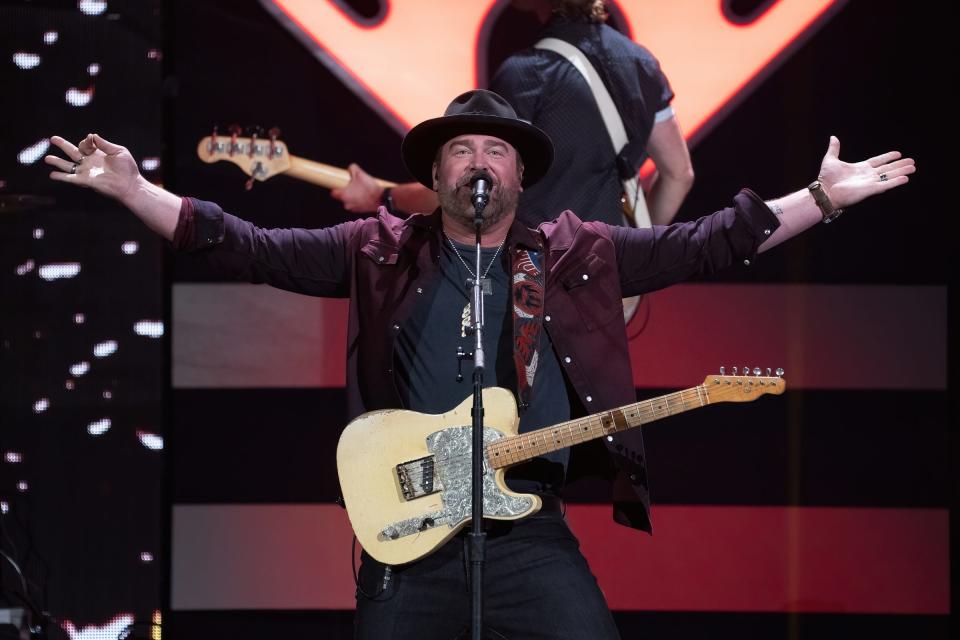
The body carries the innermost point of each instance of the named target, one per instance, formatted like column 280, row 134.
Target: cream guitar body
column 405, row 476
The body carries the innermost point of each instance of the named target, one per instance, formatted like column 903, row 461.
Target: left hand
column 362, row 194
column 848, row 183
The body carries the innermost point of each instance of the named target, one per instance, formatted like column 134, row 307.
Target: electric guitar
column 406, row 476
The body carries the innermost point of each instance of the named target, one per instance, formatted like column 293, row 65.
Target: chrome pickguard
column 447, row 470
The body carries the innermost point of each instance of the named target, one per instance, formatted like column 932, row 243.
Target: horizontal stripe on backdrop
column 752, row 559
column 812, row 448
column 824, row 336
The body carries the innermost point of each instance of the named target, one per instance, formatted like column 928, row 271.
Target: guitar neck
column 324, row 175
column 511, row 451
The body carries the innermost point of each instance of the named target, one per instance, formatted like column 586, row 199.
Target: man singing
column 406, row 280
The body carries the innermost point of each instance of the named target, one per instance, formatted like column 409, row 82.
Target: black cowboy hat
column 477, row 112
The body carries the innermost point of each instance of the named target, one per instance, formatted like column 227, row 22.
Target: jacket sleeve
column 651, row 259
column 315, row 262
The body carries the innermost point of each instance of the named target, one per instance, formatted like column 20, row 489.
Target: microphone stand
column 477, row 536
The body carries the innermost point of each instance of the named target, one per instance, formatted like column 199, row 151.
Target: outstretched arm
column 845, row 184
column 110, row 169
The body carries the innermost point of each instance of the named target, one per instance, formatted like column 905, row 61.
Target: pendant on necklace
column 465, row 321
column 486, row 285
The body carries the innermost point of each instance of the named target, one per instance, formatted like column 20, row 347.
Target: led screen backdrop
column 81, row 328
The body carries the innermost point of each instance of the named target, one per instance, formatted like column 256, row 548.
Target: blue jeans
column 537, row 584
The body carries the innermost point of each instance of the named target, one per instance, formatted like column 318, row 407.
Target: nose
column 479, row 161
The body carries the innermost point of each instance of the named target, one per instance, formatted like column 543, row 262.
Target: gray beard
column 455, row 202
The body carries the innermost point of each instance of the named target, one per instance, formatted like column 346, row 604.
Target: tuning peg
column 746, row 371
column 235, row 130
column 779, row 372
column 274, row 133
column 768, row 372
column 723, row 371
column 255, row 132
column 734, row 371
column 756, row 371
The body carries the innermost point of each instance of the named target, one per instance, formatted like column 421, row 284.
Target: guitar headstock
column 259, row 158
column 748, row 385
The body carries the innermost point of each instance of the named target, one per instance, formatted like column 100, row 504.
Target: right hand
column 362, row 194
column 95, row 163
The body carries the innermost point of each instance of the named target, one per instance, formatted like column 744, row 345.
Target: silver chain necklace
column 483, row 279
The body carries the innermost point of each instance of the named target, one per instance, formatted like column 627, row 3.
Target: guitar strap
column 611, row 120
column 528, row 297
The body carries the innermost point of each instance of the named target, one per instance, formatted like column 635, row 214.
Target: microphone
column 481, row 182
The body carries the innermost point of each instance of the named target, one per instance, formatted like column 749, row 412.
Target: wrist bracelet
column 386, row 200
column 823, row 202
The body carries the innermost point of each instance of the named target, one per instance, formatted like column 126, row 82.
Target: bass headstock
column 260, row 158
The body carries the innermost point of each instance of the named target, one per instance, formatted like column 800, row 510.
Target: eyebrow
column 487, row 143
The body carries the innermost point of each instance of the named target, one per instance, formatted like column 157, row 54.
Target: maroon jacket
column 386, row 264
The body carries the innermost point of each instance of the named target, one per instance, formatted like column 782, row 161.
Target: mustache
column 465, row 181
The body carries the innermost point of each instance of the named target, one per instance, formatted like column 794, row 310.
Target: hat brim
column 419, row 147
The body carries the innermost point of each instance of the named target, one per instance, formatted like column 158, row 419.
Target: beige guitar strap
column 611, row 119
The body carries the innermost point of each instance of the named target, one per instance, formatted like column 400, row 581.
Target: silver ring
column 883, row 177
column 73, row 169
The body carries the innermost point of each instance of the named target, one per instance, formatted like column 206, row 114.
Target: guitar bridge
column 416, row 478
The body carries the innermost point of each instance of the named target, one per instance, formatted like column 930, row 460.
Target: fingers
column 884, row 158
column 87, row 146
column 105, row 145
column 891, row 183
column 67, row 147
column 59, row 163
column 64, row 177
column 896, row 173
column 337, row 193
column 906, row 162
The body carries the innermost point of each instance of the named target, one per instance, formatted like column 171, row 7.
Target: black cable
column 387, row 574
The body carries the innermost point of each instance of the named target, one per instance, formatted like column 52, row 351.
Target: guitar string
column 691, row 397
column 647, row 414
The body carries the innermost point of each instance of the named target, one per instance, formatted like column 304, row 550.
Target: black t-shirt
column 426, row 360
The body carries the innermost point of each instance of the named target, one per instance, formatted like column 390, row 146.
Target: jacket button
column 589, row 398
column 747, row 262
column 766, row 232
column 568, row 359
column 419, row 289
column 396, row 327
column 547, row 318
column 586, row 277
column 380, row 259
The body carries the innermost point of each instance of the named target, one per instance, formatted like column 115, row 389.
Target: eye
column 461, row 151
column 498, row 152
